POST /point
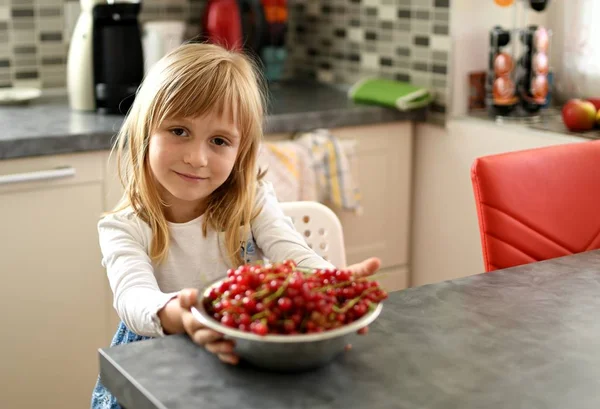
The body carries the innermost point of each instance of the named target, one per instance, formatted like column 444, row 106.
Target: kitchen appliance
column 235, row 24
column 222, row 24
column 500, row 86
column 159, row 38
column 519, row 74
column 533, row 68
column 105, row 61
column 256, row 26
column 274, row 53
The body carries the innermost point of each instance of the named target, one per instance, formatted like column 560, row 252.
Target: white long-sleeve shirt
column 141, row 288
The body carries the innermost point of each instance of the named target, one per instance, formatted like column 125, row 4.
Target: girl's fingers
column 220, row 347
column 229, row 358
column 188, row 297
column 366, row 267
column 190, row 323
column 205, row 336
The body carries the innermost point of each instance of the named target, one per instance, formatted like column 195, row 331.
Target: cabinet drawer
column 49, row 171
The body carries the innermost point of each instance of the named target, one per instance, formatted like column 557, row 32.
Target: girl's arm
column 276, row 236
column 124, row 241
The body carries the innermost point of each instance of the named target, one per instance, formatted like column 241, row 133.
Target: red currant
column 285, row 304
column 249, row 304
column 228, row 320
column 244, row 318
column 259, row 328
column 289, row 326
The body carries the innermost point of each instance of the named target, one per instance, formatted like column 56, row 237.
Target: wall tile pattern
column 34, row 36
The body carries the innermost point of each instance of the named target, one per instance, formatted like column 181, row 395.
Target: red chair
column 538, row 204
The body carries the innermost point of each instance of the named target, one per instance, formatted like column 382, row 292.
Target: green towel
column 395, row 94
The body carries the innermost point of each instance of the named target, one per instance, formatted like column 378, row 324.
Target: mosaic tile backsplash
column 334, row 41
column 341, row 41
column 34, row 36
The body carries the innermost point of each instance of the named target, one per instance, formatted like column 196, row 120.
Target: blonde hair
column 193, row 80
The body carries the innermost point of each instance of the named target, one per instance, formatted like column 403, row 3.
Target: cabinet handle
column 37, row 176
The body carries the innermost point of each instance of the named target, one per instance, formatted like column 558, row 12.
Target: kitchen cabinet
column 54, row 292
column 112, row 195
column 382, row 165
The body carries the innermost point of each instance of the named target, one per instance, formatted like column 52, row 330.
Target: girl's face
column 190, row 158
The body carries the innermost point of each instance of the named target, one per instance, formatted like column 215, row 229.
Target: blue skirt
column 101, row 397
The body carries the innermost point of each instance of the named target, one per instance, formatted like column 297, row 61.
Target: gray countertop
column 525, row 337
column 48, row 126
column 549, row 120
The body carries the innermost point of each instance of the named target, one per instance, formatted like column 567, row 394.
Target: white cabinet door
column 382, row 165
column 113, row 191
column 53, row 295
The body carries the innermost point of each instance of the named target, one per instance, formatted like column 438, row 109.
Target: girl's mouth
column 187, row 176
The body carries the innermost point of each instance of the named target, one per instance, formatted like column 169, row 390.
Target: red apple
column 595, row 101
column 579, row 115
column 598, row 118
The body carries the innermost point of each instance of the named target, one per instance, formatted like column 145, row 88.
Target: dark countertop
column 48, row 126
column 525, row 337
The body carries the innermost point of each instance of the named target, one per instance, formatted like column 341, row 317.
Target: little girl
column 194, row 204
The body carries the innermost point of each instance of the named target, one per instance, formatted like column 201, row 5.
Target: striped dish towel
column 335, row 183
column 289, row 168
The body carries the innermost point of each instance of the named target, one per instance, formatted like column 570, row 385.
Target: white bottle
column 80, row 60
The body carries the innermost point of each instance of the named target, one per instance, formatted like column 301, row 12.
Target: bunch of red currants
column 282, row 298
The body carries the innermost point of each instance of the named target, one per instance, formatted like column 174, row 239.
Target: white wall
column 556, row 22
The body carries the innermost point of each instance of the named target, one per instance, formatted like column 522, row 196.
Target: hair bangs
column 219, row 89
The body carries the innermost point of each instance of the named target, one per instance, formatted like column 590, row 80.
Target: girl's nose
column 197, row 156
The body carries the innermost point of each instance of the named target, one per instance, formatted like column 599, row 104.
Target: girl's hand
column 365, row 268
column 209, row 339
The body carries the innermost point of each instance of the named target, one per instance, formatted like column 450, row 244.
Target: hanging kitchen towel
column 395, row 94
column 335, row 183
column 289, row 168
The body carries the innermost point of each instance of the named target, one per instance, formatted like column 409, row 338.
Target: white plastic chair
column 321, row 229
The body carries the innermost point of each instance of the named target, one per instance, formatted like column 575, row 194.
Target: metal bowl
column 286, row 353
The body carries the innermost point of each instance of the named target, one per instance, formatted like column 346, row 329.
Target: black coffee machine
column 118, row 56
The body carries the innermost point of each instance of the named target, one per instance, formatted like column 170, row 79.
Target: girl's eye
column 179, row 132
column 220, row 141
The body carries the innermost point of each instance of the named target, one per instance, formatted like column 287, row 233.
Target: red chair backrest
column 538, row 204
